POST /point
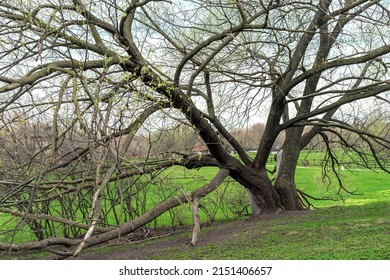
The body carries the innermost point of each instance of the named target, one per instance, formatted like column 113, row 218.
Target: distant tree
column 249, row 137
column 109, row 70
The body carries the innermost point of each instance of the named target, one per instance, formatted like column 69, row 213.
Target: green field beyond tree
column 353, row 224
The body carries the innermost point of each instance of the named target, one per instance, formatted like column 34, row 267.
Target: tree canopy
column 88, row 87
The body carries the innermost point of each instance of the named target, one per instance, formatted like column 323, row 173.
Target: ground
column 180, row 238
column 357, row 232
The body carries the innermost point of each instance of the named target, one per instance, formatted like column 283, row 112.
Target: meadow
column 348, row 227
column 358, row 232
column 230, row 200
column 362, row 215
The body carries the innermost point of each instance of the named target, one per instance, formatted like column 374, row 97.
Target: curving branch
column 121, row 230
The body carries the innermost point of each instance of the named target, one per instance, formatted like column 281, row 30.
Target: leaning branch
column 197, row 194
column 51, row 218
column 124, row 229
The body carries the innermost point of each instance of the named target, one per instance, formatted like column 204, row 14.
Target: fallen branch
column 124, row 229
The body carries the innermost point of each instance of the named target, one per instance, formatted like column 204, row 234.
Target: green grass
column 350, row 232
column 367, row 186
column 357, row 227
column 357, row 232
column 230, row 199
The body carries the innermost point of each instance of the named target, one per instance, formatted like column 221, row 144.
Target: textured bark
column 195, row 216
column 196, row 195
column 293, row 73
column 256, row 210
column 285, row 180
column 288, row 193
column 253, row 177
column 260, row 187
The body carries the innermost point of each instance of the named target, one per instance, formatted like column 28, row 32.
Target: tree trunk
column 285, row 180
column 264, row 197
column 288, row 193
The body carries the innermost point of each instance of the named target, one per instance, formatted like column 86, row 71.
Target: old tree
column 86, row 84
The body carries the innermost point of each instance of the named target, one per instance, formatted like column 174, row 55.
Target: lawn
column 367, row 186
column 344, row 232
column 230, row 201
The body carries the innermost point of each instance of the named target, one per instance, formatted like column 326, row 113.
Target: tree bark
column 196, row 195
column 195, row 216
column 262, row 192
column 285, row 180
column 288, row 193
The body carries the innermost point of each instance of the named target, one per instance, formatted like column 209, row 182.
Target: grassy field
column 348, row 232
column 353, row 219
column 367, row 186
column 358, row 232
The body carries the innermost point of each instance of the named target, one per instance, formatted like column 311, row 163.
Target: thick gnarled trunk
column 264, row 197
column 288, row 194
column 285, row 179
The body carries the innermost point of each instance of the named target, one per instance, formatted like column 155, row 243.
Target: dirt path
column 177, row 239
